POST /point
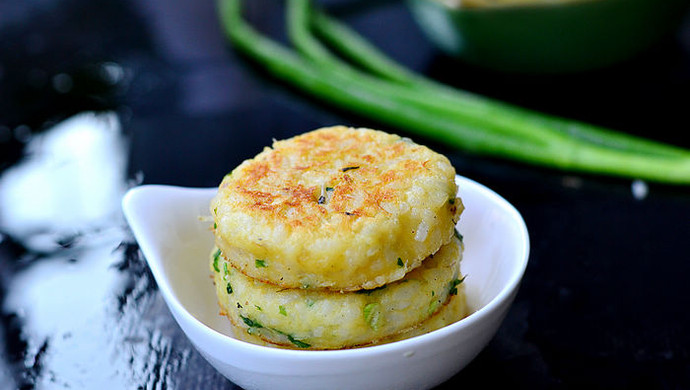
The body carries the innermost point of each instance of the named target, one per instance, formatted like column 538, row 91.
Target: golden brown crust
column 274, row 183
column 336, row 208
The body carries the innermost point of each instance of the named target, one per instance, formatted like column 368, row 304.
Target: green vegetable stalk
column 391, row 94
column 353, row 46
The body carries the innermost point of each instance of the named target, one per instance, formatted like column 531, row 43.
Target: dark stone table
column 96, row 97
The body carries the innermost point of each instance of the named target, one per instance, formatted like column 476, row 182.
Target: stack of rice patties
column 338, row 238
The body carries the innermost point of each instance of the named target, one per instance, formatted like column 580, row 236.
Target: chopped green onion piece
column 226, row 271
column 228, row 288
column 349, row 168
column 281, row 310
column 433, row 306
column 298, row 343
column 454, row 285
column 400, row 262
column 373, row 315
column 260, row 263
column 458, row 235
column 251, row 323
column 258, row 307
column 216, row 257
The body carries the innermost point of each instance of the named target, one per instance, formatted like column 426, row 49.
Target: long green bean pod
column 356, row 48
column 358, row 96
column 464, row 111
column 378, row 99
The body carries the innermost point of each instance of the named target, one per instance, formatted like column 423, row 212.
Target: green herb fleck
column 251, row 323
column 458, row 235
column 258, row 307
column 451, row 200
column 322, row 199
column 400, row 262
column 349, row 168
column 433, row 306
column 216, row 257
column 215, row 226
column 260, row 263
column 298, row 343
column 373, row 316
column 310, row 302
column 281, row 310
column 329, row 188
column 215, row 210
column 454, row 285
column 228, row 288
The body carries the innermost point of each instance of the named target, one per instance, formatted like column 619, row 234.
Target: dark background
column 163, row 99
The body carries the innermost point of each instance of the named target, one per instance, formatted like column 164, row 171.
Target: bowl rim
column 133, row 195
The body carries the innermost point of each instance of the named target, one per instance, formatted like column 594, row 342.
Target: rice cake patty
column 454, row 310
column 324, row 319
column 336, row 208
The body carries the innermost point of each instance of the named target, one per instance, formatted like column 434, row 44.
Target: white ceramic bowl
column 165, row 221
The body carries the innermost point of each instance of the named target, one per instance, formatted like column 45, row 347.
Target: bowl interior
column 491, row 264
column 172, row 228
